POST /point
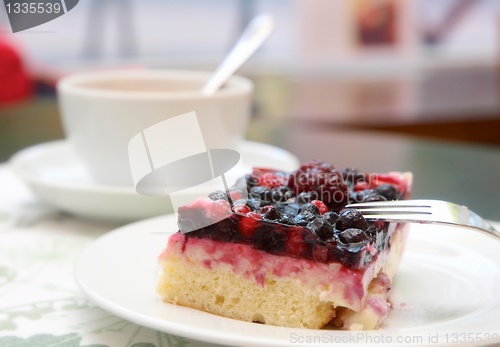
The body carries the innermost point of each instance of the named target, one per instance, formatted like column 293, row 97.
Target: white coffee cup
column 102, row 111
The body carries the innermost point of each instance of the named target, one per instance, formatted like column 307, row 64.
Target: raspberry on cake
column 291, row 255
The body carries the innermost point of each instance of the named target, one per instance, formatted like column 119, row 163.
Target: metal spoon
column 252, row 38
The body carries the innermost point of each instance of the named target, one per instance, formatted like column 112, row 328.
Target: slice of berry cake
column 289, row 255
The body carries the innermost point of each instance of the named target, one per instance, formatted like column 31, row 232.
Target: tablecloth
column 40, row 302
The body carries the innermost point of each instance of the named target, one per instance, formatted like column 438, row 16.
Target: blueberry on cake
column 290, row 254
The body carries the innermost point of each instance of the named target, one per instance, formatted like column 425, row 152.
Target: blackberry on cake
column 291, row 254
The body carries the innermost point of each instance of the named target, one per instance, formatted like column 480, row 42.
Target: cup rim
column 236, row 85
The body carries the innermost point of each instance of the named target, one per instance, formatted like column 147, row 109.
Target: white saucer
column 446, row 292
column 57, row 176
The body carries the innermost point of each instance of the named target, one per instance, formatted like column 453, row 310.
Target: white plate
column 448, row 286
column 57, row 176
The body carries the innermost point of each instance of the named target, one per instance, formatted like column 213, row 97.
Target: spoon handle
column 252, row 38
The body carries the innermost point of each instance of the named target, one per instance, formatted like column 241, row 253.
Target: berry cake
column 290, row 254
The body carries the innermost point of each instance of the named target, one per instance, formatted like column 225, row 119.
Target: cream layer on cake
column 238, row 281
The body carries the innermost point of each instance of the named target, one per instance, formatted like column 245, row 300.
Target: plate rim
column 106, row 202
column 18, row 160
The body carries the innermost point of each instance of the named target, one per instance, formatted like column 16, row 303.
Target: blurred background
column 419, row 67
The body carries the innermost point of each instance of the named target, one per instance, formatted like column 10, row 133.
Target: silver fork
column 425, row 211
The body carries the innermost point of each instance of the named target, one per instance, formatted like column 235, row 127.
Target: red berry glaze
column 241, row 209
column 300, row 214
column 322, row 179
column 322, row 208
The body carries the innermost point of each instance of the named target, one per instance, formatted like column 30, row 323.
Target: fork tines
column 394, row 207
column 425, row 211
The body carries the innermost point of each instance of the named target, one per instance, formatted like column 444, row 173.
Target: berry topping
column 331, row 217
column 320, row 253
column 372, row 195
column 320, row 205
column 304, row 218
column 272, row 180
column 388, row 191
column 353, row 235
column 218, row 195
column 306, row 197
column 295, row 244
column 241, row 209
column 253, row 204
column 361, row 186
column 235, row 194
column 310, row 207
column 270, row 241
column 262, row 193
column 281, row 194
column 287, row 212
column 351, row 219
column 248, row 225
column 251, row 181
column 321, row 228
column 266, row 178
column 219, row 210
column 202, row 212
column 269, row 212
column 322, row 178
column 254, row 215
column 352, row 175
column 299, row 215
column 367, row 195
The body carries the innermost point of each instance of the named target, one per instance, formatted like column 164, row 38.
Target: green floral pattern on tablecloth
column 75, row 340
column 6, row 275
column 40, row 304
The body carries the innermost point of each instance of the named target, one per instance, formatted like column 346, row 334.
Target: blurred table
column 413, row 97
column 459, row 103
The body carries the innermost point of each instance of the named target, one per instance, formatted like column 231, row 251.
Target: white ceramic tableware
column 58, row 177
column 102, row 111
